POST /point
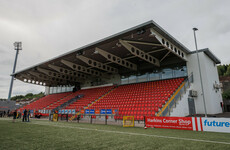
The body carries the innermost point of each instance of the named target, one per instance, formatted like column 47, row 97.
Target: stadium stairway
column 106, row 90
column 177, row 105
column 67, row 103
column 62, row 101
column 90, row 95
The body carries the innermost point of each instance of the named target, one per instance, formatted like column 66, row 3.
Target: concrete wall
column 8, row 105
column 47, row 90
column 209, row 77
column 181, row 108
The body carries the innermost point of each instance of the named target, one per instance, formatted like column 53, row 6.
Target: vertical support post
column 169, row 110
column 105, row 116
column 201, row 82
column 17, row 47
column 144, row 122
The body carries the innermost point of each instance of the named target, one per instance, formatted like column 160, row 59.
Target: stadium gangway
column 165, row 111
column 72, row 100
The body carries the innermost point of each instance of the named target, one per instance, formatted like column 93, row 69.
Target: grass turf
column 39, row 134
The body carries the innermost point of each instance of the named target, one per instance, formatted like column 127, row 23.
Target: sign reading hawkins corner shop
column 190, row 123
column 182, row 123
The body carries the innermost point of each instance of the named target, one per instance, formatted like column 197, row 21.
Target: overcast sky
column 48, row 28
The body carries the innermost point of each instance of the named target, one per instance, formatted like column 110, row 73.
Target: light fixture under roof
column 118, row 44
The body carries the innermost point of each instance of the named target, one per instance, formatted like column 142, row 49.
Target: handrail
column 67, row 103
column 166, row 105
column 100, row 98
column 86, row 107
column 172, row 101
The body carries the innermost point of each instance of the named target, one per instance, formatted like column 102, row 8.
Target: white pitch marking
column 140, row 134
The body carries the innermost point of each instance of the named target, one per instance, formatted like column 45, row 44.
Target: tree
column 17, row 97
column 227, row 73
column 28, row 96
column 226, row 94
column 221, row 70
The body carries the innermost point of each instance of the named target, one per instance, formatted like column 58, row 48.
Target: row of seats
column 45, row 101
column 139, row 99
column 90, row 95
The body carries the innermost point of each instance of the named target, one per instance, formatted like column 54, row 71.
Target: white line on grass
column 139, row 134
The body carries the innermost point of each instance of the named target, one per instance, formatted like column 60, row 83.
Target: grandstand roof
column 142, row 48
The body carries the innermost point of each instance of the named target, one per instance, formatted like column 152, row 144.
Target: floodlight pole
column 17, row 47
column 201, row 81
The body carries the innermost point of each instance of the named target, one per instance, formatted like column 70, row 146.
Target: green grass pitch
column 46, row 135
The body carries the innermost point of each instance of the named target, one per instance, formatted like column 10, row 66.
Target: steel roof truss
column 116, row 59
column 169, row 46
column 61, row 77
column 96, row 64
column 140, row 53
column 81, row 68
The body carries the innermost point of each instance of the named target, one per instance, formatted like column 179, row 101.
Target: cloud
column 51, row 28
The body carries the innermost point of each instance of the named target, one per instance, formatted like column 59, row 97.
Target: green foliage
column 223, row 70
column 17, row 97
column 28, row 96
column 227, row 73
column 226, row 94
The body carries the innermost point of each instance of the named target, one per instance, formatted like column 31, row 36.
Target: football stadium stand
column 142, row 71
column 138, row 100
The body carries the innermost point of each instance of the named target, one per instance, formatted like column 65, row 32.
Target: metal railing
column 68, row 102
column 177, row 96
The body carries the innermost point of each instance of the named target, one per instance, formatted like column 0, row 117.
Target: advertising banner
column 97, row 111
column 82, row 111
column 73, row 111
column 70, row 111
column 62, row 111
column 92, row 111
column 59, row 111
column 216, row 124
column 55, row 117
column 114, row 111
column 86, row 111
column 128, row 121
column 109, row 111
column 102, row 111
column 183, row 123
column 66, row 111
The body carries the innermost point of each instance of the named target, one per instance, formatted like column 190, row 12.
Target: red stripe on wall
column 196, row 123
column 201, row 127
